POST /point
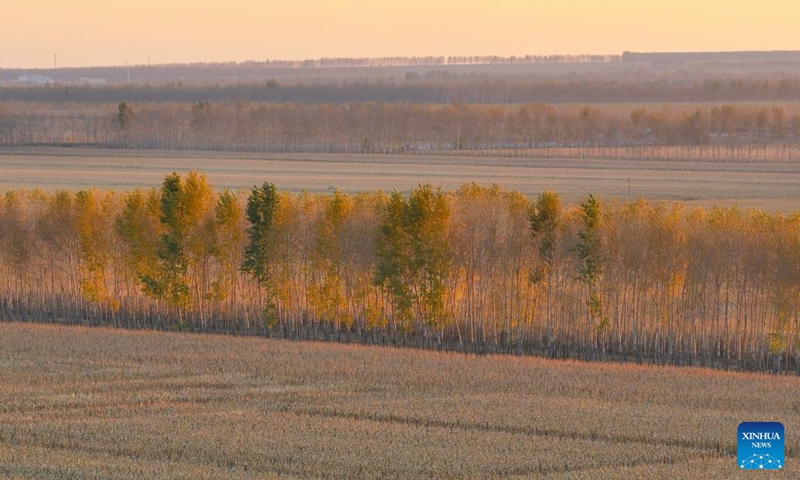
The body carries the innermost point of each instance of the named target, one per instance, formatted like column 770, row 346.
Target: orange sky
column 109, row 32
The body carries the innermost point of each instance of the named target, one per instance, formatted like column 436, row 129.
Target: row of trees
column 477, row 269
column 725, row 131
column 436, row 86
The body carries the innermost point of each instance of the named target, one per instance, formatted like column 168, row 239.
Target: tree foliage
column 413, row 255
column 260, row 213
column 124, row 115
column 94, row 229
column 182, row 207
column 588, row 248
column 544, row 217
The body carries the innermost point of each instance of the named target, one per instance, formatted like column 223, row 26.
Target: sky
column 113, row 32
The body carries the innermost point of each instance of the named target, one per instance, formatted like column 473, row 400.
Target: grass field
column 769, row 186
column 99, row 403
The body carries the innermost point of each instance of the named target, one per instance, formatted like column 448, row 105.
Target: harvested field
column 100, row 403
column 768, row 186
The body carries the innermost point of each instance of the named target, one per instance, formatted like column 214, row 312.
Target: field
column 99, row 403
column 765, row 185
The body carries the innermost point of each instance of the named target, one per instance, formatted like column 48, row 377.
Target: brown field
column 769, row 186
column 99, row 403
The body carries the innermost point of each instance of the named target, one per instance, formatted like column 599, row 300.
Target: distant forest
column 475, row 270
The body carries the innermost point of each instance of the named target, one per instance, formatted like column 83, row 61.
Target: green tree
column 261, row 246
column 414, row 256
column 590, row 254
column 125, row 120
column 170, row 281
column 589, row 245
column 124, row 115
column 182, row 210
column 429, row 215
column 544, row 217
column 393, row 271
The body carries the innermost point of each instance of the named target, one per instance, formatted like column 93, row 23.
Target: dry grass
column 96, row 403
column 768, row 186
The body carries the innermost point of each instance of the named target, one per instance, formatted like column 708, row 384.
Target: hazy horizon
column 95, row 33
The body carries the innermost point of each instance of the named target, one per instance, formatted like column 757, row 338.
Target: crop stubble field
column 103, row 403
column 765, row 185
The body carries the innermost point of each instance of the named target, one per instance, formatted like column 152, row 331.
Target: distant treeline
column 437, row 87
column 741, row 57
column 675, row 66
column 476, row 270
column 728, row 131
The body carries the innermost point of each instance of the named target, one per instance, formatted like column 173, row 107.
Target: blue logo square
column 761, row 446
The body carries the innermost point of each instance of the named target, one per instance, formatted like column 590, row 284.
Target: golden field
column 101, row 403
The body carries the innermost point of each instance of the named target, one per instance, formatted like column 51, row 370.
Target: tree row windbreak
column 725, row 132
column 478, row 269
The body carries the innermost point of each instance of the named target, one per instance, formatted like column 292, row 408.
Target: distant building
column 35, row 79
column 92, row 81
